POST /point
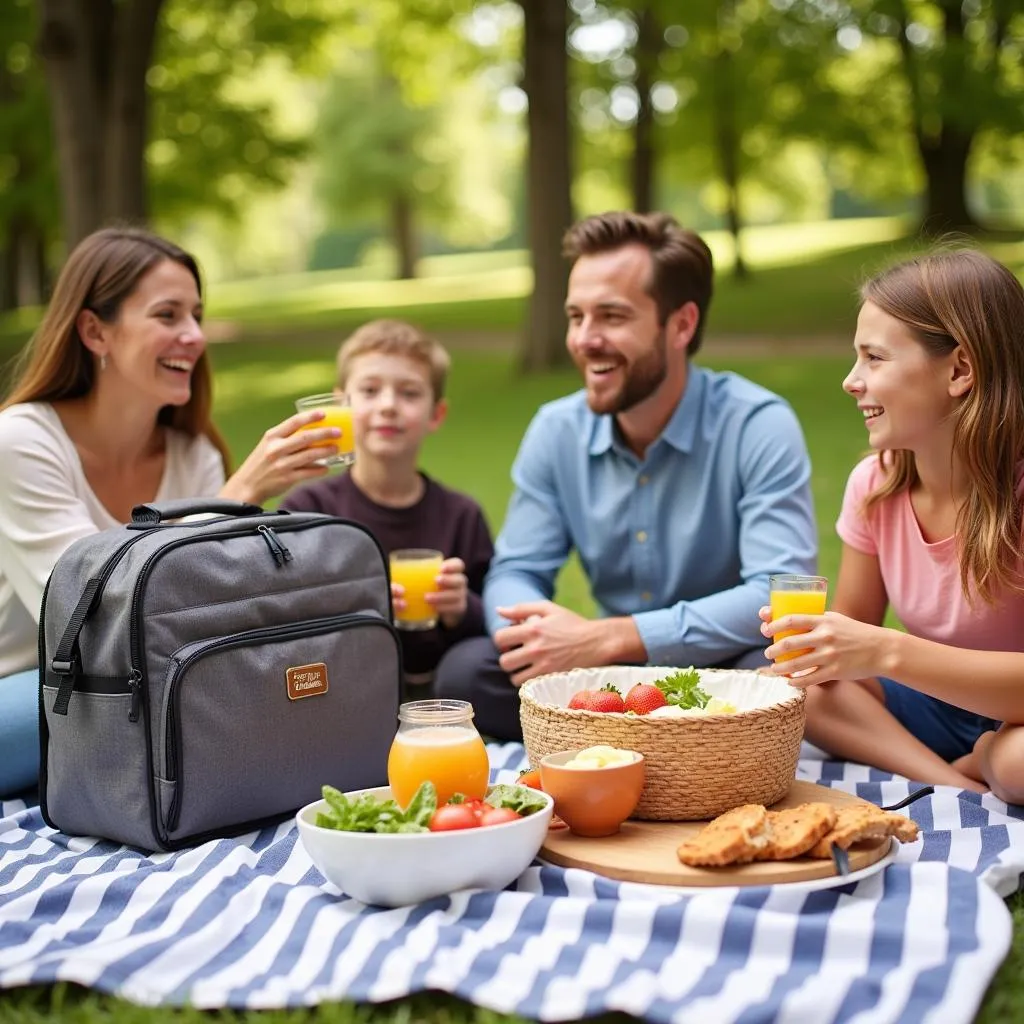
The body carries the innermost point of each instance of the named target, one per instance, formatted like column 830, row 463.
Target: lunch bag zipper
column 250, row 638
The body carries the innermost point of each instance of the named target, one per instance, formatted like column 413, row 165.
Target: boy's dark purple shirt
column 444, row 519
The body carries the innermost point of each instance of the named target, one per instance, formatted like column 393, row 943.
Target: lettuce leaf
column 366, row 813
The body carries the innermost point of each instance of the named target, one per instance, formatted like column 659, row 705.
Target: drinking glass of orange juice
column 437, row 740
column 796, row 595
column 337, row 413
column 416, row 569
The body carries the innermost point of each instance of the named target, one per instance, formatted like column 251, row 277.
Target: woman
column 111, row 409
column 931, row 526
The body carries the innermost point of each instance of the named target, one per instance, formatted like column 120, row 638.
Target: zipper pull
column 135, row 686
column 277, row 549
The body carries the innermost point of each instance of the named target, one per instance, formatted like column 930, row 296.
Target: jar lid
column 438, row 711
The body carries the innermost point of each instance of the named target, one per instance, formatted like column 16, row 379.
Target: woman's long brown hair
column 101, row 272
column 965, row 298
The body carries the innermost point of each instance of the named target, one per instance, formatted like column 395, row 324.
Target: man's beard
column 642, row 379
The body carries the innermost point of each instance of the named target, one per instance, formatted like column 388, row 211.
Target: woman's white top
column 46, row 504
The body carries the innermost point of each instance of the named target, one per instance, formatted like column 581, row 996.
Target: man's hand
column 544, row 637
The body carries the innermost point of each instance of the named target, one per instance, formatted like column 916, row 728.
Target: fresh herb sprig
column 683, row 689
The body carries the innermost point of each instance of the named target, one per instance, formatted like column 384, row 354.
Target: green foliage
column 409, row 115
column 28, row 181
column 374, row 147
column 213, row 142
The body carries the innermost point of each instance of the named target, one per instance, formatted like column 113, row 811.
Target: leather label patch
column 306, row 681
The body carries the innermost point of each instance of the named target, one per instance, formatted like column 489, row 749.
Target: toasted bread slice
column 858, row 822
column 732, row 838
column 903, row 828
column 795, row 830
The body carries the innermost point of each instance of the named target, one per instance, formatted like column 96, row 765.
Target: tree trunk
column 127, row 111
column 648, row 46
column 9, row 271
column 727, row 144
column 404, row 236
column 944, row 148
column 945, row 168
column 548, row 179
column 31, row 256
column 96, row 55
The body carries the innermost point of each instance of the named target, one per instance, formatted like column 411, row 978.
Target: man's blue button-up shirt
column 685, row 538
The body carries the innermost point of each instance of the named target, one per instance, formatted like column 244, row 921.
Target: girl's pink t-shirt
column 922, row 580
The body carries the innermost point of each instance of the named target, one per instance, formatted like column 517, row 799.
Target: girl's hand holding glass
column 830, row 646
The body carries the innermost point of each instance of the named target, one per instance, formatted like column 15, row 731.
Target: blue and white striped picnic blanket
column 250, row 923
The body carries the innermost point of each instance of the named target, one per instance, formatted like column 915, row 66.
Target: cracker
column 903, row 828
column 861, row 821
column 732, row 838
column 795, row 830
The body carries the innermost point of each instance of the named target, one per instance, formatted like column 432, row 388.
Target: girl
column 111, row 409
column 930, row 524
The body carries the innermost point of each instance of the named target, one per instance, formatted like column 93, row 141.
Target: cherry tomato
column 476, row 806
column 498, row 816
column 451, row 817
column 530, row 777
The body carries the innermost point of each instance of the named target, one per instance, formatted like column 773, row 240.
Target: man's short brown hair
column 683, row 268
column 396, row 338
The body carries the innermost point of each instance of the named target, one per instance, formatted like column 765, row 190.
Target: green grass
column 804, row 280
column 490, row 406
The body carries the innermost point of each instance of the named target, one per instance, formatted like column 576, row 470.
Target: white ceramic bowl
column 394, row 870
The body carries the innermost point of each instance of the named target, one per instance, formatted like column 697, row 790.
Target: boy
column 394, row 376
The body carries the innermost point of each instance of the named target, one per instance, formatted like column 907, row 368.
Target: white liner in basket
column 745, row 689
column 696, row 766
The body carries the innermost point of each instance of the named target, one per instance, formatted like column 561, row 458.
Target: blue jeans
column 19, row 731
column 948, row 730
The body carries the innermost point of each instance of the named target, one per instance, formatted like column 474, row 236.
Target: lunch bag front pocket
column 253, row 724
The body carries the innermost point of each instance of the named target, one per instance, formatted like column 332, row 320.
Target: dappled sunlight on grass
column 778, row 245
column 244, row 300
column 484, row 276
column 244, row 385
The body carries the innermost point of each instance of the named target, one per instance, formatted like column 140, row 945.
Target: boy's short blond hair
column 396, row 338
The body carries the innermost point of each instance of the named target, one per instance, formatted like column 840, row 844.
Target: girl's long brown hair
column 964, row 298
column 101, row 272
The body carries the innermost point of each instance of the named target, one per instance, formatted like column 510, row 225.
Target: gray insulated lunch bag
column 202, row 678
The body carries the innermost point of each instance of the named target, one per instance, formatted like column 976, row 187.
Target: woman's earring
column 103, row 362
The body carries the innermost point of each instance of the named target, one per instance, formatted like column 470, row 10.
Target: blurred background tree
column 283, row 135
column 29, row 219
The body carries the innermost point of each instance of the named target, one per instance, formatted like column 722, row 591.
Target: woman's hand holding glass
column 286, row 455
column 831, row 646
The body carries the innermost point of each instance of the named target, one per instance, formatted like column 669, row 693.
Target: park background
column 330, row 161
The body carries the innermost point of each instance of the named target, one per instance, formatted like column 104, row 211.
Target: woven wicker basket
column 697, row 767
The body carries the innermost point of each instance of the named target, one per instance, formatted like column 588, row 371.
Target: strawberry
column 605, row 699
column 580, row 701
column 644, row 698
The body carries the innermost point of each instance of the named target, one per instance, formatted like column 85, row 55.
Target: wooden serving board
column 645, row 851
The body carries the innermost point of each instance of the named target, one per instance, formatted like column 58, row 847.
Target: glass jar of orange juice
column 437, row 740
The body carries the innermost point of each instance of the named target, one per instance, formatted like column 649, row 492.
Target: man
column 680, row 489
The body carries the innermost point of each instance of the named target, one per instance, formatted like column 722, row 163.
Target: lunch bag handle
column 157, row 512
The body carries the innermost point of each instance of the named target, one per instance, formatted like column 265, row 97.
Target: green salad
column 366, row 813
